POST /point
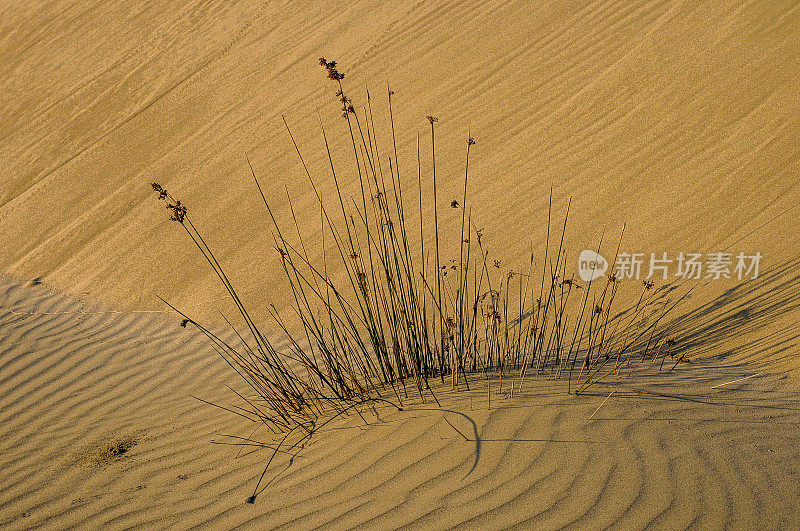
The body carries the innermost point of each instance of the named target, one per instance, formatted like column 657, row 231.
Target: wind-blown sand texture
column 83, row 380
column 679, row 118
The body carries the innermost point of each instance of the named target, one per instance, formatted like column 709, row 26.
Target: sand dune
column 81, row 380
column 677, row 118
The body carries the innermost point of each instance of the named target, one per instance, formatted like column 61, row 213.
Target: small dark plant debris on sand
column 110, row 452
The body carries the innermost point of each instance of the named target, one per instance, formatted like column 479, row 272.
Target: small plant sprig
column 177, row 208
column 335, row 75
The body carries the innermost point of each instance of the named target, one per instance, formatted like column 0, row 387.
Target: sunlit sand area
column 408, row 264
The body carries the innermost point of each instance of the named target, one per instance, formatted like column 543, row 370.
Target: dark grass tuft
column 403, row 317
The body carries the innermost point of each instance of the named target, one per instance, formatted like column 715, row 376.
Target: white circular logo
column 591, row 265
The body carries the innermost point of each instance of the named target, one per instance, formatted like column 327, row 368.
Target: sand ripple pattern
column 78, row 380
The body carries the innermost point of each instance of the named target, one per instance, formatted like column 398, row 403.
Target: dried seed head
column 178, row 211
column 162, row 193
column 330, row 66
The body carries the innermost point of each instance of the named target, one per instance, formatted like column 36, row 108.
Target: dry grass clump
column 405, row 315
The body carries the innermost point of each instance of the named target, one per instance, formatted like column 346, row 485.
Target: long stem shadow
column 752, row 305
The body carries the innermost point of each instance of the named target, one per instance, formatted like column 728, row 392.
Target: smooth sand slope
column 680, row 119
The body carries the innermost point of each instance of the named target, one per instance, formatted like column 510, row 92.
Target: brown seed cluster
column 178, row 209
column 330, row 66
column 335, row 75
column 162, row 193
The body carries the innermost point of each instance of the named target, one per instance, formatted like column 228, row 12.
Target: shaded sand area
column 99, row 430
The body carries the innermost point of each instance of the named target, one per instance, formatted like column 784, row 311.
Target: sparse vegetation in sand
column 405, row 314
